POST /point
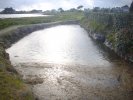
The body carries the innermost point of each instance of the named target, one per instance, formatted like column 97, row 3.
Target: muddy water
column 63, row 63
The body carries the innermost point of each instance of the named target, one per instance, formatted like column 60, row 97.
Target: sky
column 65, row 4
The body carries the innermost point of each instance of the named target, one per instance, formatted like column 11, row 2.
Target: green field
column 4, row 23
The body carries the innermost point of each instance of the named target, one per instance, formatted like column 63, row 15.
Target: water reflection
column 60, row 44
column 98, row 74
column 3, row 16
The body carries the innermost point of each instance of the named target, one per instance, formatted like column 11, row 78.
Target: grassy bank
column 116, row 28
column 11, row 86
column 4, row 23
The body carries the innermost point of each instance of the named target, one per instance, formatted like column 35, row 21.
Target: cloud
column 55, row 4
column 90, row 3
column 111, row 3
column 43, row 6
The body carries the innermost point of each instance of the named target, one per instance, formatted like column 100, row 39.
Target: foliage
column 11, row 86
column 60, row 10
column 111, row 39
column 131, row 8
column 117, row 29
column 79, row 7
column 96, row 9
column 124, row 41
column 112, row 21
column 8, row 11
column 97, row 27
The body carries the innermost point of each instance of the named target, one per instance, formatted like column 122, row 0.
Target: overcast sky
column 55, row 4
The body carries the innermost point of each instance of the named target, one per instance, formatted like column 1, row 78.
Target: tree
column 80, row 7
column 36, row 11
column 131, row 8
column 9, row 11
column 53, row 11
column 73, row 10
column 105, row 10
column 60, row 10
column 96, row 9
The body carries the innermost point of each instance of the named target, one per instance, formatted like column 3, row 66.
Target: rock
column 11, row 69
column 99, row 37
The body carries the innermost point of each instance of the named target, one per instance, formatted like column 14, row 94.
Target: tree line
column 125, row 8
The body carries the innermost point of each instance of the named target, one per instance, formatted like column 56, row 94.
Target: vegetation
column 80, row 7
column 131, row 8
column 8, row 11
column 60, row 10
column 11, row 86
column 117, row 28
column 4, row 23
column 123, row 9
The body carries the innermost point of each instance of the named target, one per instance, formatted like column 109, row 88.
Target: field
column 4, row 23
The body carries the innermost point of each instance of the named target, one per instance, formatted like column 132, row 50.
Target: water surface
column 3, row 16
column 63, row 63
column 61, row 44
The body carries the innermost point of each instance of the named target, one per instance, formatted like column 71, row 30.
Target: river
column 64, row 63
column 4, row 16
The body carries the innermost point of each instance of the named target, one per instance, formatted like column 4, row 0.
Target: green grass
column 4, row 23
column 12, row 88
column 111, row 39
column 95, row 26
column 11, row 85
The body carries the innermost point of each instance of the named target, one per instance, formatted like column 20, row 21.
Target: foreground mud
column 78, row 82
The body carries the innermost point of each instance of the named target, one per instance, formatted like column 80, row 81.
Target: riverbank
column 11, row 85
column 114, row 30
